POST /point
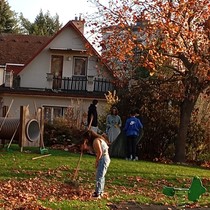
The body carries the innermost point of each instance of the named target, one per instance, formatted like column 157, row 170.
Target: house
column 52, row 72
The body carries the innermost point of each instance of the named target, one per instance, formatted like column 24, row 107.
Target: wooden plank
column 42, row 156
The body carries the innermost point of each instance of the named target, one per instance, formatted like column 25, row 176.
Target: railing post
column 9, row 79
column 90, row 83
column 49, row 80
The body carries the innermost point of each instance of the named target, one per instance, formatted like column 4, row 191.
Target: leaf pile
column 26, row 193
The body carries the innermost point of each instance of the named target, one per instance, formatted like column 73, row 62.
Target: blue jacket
column 133, row 126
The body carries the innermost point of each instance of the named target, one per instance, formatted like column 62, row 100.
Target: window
column 80, row 66
column 51, row 112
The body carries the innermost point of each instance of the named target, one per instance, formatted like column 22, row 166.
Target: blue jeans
column 101, row 170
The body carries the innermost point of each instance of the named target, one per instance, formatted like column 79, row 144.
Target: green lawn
column 48, row 181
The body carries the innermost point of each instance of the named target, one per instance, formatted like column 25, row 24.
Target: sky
column 66, row 9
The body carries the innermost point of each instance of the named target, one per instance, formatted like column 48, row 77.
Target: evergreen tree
column 8, row 21
column 44, row 24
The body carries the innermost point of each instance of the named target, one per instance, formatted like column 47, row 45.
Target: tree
column 44, row 24
column 8, row 22
column 169, row 38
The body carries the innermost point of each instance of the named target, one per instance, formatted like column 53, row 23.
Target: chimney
column 79, row 23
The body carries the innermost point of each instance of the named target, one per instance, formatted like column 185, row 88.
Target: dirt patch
column 135, row 206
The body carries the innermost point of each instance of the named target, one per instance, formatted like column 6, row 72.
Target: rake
column 73, row 181
column 43, row 150
column 77, row 168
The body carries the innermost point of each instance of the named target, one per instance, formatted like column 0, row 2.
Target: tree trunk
column 186, row 109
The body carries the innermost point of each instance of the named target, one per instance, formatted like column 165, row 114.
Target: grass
column 138, row 181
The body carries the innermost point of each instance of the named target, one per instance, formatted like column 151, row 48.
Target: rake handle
column 77, row 168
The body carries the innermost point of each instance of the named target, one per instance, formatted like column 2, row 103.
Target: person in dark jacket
column 132, row 130
column 92, row 121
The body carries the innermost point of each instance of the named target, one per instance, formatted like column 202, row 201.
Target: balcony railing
column 75, row 83
column 82, row 84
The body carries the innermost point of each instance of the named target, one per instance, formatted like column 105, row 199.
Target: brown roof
column 22, row 49
column 18, row 49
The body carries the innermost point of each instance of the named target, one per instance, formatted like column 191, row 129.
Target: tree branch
column 171, row 55
column 185, row 61
column 185, row 43
column 174, row 69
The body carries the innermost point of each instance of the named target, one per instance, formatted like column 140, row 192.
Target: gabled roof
column 18, row 49
column 71, row 25
column 22, row 49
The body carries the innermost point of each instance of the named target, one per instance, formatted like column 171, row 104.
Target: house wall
column 34, row 102
column 2, row 75
column 34, row 74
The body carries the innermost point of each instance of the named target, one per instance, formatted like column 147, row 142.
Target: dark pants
column 137, row 145
column 131, row 146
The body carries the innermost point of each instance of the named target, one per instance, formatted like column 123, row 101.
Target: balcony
column 75, row 84
column 85, row 84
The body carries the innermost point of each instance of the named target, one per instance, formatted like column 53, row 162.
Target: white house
column 52, row 72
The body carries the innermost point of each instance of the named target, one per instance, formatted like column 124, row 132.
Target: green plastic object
column 44, row 151
column 196, row 189
column 169, row 191
column 194, row 192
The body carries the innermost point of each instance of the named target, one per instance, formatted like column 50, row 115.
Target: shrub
column 197, row 144
column 65, row 130
column 160, row 117
column 59, row 132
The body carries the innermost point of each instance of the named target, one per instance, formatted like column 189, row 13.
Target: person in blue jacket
column 132, row 130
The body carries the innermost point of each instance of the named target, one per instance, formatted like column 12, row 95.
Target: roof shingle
column 18, row 49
